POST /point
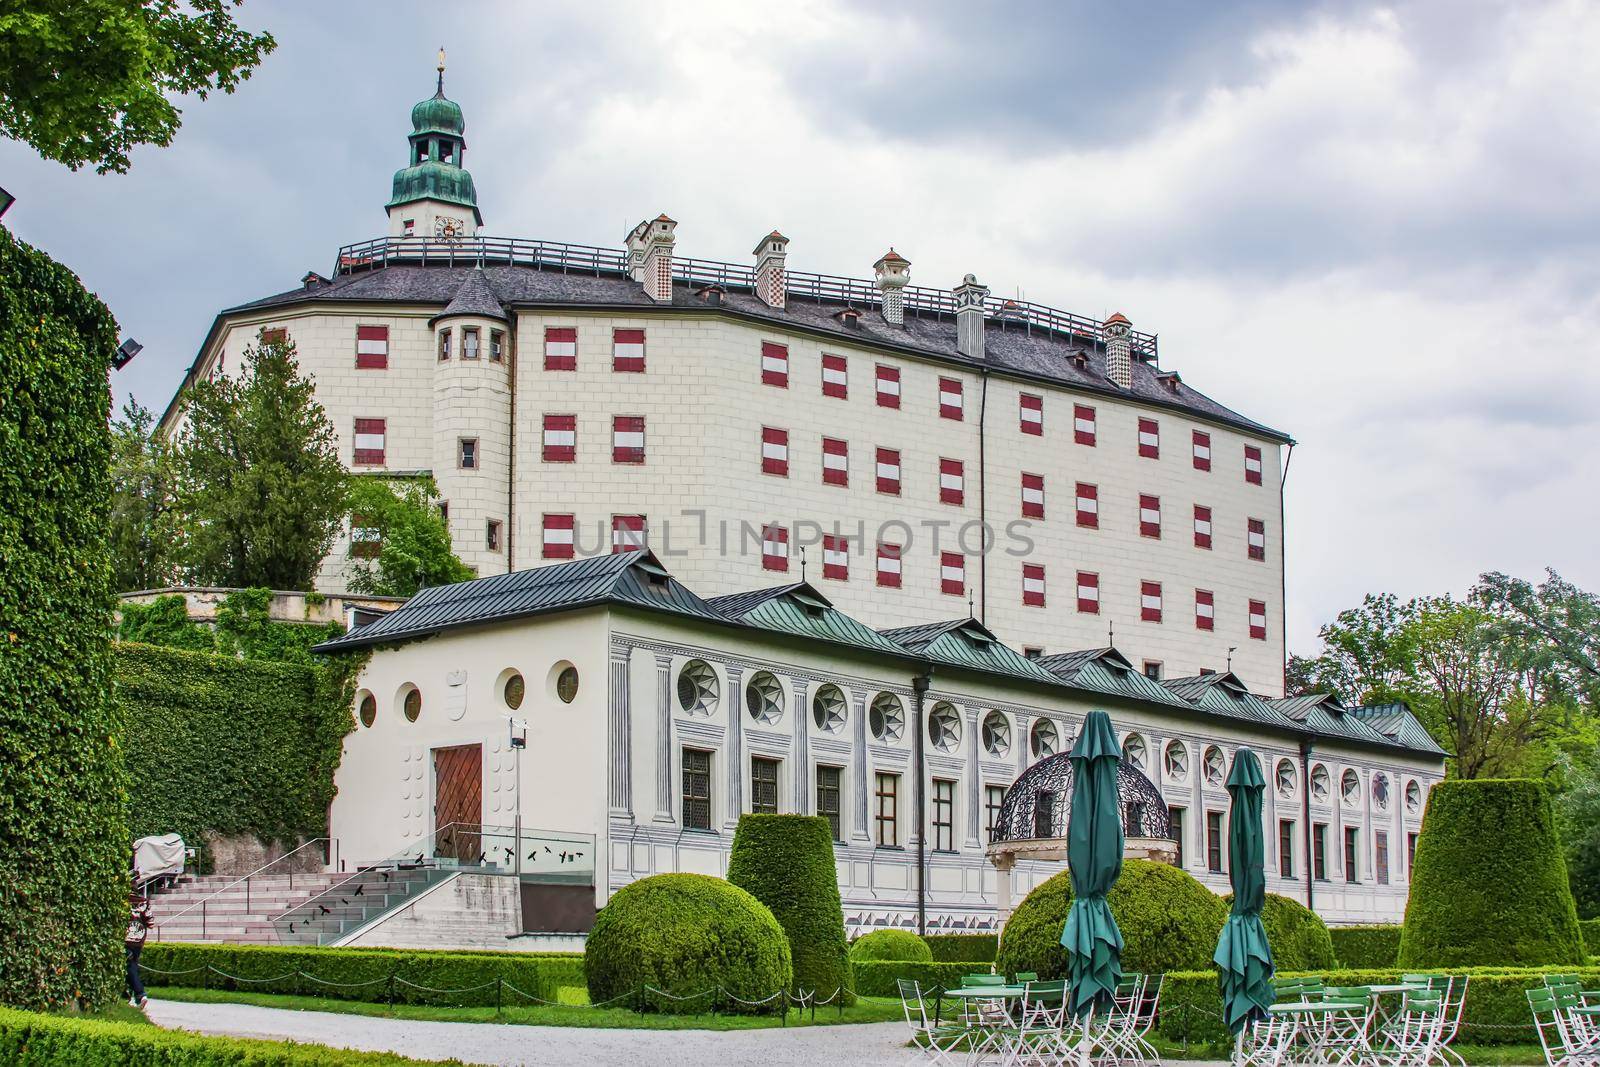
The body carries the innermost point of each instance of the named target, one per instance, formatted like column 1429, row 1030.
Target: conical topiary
column 1490, row 882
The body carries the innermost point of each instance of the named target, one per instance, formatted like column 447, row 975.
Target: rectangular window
column 1149, row 439
column 560, row 438
column 408, row 228
column 1152, row 669
column 1175, row 817
column 1257, row 539
column 1214, row 842
column 469, row 342
column 627, row 439
column 1202, row 450
column 952, row 482
column 1258, row 620
column 1352, row 854
column 887, row 817
column 763, row 786
column 1030, row 410
column 952, row 573
column 1083, row 424
column 1202, row 526
column 774, row 451
column 889, row 471
column 1033, row 585
column 889, row 565
column 774, row 364
column 1411, row 854
column 888, row 386
column 835, row 461
column 1032, row 496
column 366, row 542
column 1252, row 464
column 627, row 533
column 944, row 815
column 369, row 443
column 696, row 789
column 1205, row 610
column 950, row 398
column 1319, row 851
column 491, row 535
column 444, row 345
column 1088, row 506
column 1380, row 856
column 1150, row 601
column 627, row 351
column 560, row 348
column 467, row 453
column 1286, row 848
column 372, row 347
column 558, row 530
column 828, row 806
column 497, row 346
column 775, row 549
column 835, row 377
column 993, row 797
column 1149, row 515
column 835, row 557
column 1088, row 593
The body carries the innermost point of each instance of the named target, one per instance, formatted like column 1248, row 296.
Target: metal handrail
column 245, row 879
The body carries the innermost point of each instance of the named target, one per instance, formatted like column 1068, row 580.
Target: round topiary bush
column 684, row 934
column 786, row 862
column 898, row 945
column 1490, row 883
column 1299, row 938
column 1169, row 922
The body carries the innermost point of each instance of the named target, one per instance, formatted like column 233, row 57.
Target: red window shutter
column 775, row 548
column 952, row 573
column 1033, row 585
column 627, row 350
column 370, row 442
column 1256, row 539
column 1149, row 515
column 952, row 482
column 366, row 542
column 1088, row 506
column 888, row 386
column 1202, row 450
column 774, row 364
column 835, row 377
column 889, row 565
column 560, row 438
column 1088, row 593
column 774, row 451
column 274, row 335
column 1083, row 424
column 1149, row 439
column 1031, row 412
column 951, row 401
column 889, row 471
column 627, row 439
column 835, row 461
column 1202, row 526
column 560, row 348
column 1252, row 464
column 628, row 532
column 835, row 557
column 372, row 347
column 1032, row 496
column 1205, row 610
column 1258, row 620
column 1150, row 601
column 558, row 536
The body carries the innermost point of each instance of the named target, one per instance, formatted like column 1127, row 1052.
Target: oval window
column 413, row 704
column 886, row 718
column 828, row 709
column 515, row 690
column 1177, row 760
column 944, row 727
column 1134, row 751
column 698, row 687
column 369, row 710
column 1043, row 739
column 566, row 685
column 763, row 698
column 996, row 734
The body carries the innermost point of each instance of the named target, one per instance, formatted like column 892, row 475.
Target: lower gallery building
column 654, row 717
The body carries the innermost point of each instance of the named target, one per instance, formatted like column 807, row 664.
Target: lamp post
column 519, row 741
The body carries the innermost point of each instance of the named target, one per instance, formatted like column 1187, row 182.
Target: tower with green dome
column 434, row 196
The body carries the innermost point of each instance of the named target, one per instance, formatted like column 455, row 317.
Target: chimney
column 772, row 284
column 970, row 297
column 893, row 271
column 650, row 256
column 1118, row 334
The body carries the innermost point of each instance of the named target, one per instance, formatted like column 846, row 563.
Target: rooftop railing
column 589, row 259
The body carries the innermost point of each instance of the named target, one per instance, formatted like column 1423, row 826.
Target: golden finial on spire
column 441, row 70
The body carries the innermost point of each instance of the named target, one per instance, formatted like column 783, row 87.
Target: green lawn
column 574, row 1011
column 119, row 1012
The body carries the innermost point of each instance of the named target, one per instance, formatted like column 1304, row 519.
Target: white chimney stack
column 650, row 256
column 970, row 312
column 893, row 271
column 1118, row 334
column 772, row 284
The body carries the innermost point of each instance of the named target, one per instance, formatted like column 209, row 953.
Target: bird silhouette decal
column 534, row 854
column 291, row 928
column 359, row 890
column 324, row 909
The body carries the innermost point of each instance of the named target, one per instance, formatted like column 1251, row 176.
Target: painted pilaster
column 664, row 738
column 801, row 769
column 974, row 786
column 858, row 768
column 735, row 752
column 1197, row 807
column 1023, row 740
column 621, row 737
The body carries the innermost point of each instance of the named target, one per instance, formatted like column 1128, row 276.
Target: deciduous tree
column 412, row 542
column 144, row 528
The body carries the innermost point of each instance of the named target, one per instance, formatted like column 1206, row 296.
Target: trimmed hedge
column 963, row 948
column 786, row 862
column 63, row 805
column 1590, row 928
column 464, row 979
column 1359, row 947
column 901, row 945
column 1490, row 886
column 685, row 934
column 1169, row 922
column 1298, row 936
column 876, row 978
column 28, row 1040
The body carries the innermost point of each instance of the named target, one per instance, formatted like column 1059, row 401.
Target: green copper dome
column 433, row 180
column 436, row 148
column 438, row 115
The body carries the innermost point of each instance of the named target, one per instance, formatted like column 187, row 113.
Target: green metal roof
column 1324, row 715
column 968, row 644
column 437, row 114
column 433, row 179
column 1224, row 694
column 1400, row 724
column 800, row 610
column 1107, row 671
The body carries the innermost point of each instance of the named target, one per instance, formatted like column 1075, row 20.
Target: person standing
column 139, row 924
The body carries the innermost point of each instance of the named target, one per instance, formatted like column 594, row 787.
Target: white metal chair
column 1561, row 1048
column 1411, row 1037
column 938, row 1041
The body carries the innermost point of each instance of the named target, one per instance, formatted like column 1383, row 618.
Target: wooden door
column 458, row 802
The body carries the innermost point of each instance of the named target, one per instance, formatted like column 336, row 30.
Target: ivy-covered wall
column 230, row 746
column 63, row 834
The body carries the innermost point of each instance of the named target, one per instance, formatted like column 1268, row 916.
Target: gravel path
column 869, row 1044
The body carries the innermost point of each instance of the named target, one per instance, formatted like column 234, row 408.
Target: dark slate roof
column 474, row 297
column 1009, row 347
column 968, row 644
column 1398, row 723
column 1105, row 670
column 799, row 609
column 1224, row 694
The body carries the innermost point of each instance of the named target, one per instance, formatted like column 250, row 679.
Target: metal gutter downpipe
column 919, row 689
column 1305, row 810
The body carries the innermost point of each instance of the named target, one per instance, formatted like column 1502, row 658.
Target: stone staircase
column 240, row 913
column 353, row 901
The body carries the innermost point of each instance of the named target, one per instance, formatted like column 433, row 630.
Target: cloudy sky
column 1375, row 227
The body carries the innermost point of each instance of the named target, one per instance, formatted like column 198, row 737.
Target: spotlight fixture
column 125, row 353
column 6, row 200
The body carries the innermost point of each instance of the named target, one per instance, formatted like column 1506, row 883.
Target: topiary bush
column 1299, row 938
column 63, row 818
column 899, row 945
column 1366, row 946
column 1169, row 922
column 1490, row 883
column 686, row 935
column 963, row 948
column 786, row 862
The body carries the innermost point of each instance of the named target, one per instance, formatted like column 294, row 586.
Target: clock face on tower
column 448, row 228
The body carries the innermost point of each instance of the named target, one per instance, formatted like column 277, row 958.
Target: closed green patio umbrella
column 1094, row 858
column 1243, row 957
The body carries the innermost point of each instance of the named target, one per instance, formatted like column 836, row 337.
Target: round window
column 1177, row 759
column 566, row 685
column 1380, row 791
column 996, row 734
column 413, row 703
column 1044, row 739
column 1413, row 797
column 1215, row 765
column 1350, row 788
column 828, row 709
column 763, row 698
column 1133, row 750
column 944, row 727
column 698, row 687
column 1286, row 779
column 887, row 719
column 369, row 709
column 1320, row 783
column 514, row 691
